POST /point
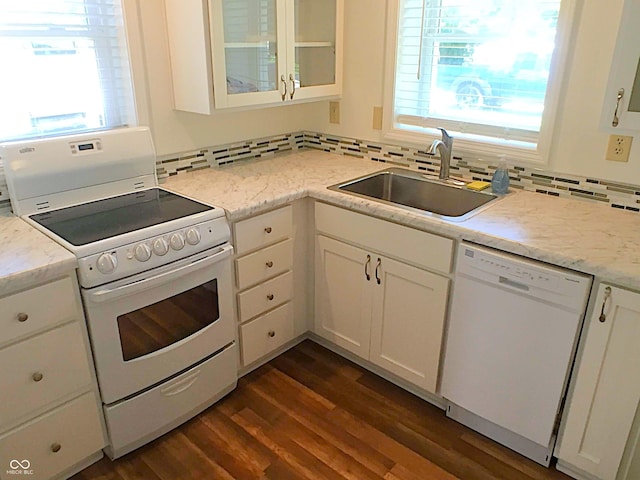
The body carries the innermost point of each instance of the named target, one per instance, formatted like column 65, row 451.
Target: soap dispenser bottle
column 500, row 179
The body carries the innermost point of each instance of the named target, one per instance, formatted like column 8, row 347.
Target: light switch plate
column 619, row 148
column 377, row 118
column 334, row 112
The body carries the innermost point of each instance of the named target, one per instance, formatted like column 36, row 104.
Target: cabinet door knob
column 270, row 297
column 55, row 447
column 23, row 317
column 268, row 230
column 37, row 376
column 271, row 333
column 269, row 264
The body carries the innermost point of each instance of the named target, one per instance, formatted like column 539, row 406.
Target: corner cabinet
column 239, row 53
column 605, row 389
column 389, row 311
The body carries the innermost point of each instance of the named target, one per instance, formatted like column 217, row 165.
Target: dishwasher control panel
column 518, row 272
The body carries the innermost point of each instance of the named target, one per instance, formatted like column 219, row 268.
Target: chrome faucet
column 443, row 146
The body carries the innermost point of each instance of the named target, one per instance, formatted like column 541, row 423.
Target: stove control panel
column 153, row 252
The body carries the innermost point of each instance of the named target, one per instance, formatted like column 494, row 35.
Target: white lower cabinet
column 343, row 295
column 47, row 446
column 605, row 389
column 265, row 280
column 266, row 333
column 51, row 422
column 407, row 322
column 385, row 311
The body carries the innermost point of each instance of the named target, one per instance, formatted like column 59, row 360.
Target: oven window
column 161, row 324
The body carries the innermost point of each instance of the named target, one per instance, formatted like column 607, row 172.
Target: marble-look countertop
column 584, row 236
column 29, row 257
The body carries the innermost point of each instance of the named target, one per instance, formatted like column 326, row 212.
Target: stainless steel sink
column 415, row 191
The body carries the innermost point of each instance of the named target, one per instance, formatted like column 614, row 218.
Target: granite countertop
column 584, row 236
column 29, row 257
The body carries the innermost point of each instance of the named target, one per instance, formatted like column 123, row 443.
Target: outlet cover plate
column 618, row 148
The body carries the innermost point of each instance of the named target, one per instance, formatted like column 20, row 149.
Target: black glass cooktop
column 94, row 221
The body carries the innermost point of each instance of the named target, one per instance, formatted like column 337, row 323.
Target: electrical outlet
column 334, row 112
column 619, row 148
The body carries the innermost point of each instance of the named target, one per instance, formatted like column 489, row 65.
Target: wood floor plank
column 312, row 415
column 299, row 459
column 228, row 446
column 387, row 445
column 133, row 467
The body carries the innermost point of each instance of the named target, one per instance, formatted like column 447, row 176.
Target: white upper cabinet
column 239, row 53
column 621, row 109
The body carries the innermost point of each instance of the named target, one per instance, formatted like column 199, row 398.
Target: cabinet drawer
column 266, row 333
column 41, row 370
column 265, row 296
column 32, row 310
column 263, row 230
column 415, row 246
column 264, row 264
column 75, row 428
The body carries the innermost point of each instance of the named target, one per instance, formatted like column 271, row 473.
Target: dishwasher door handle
column 511, row 283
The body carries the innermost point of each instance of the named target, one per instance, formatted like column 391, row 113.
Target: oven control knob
column 177, row 241
column 160, row 246
column 142, row 252
column 107, row 263
column 193, row 236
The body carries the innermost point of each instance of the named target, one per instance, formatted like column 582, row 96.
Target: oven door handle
column 106, row 294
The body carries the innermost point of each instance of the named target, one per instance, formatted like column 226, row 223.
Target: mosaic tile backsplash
column 617, row 195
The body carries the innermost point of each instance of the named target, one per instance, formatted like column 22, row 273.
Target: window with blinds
column 65, row 67
column 480, row 68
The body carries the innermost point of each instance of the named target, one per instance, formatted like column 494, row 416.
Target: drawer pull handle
column 271, row 333
column 268, row 230
column 269, row 264
column 23, row 317
column 270, row 297
column 56, row 447
column 37, row 377
column 607, row 294
column 378, row 265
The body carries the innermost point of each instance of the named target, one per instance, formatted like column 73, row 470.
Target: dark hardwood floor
column 312, row 414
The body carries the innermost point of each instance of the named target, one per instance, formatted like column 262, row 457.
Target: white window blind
column 480, row 68
column 65, row 67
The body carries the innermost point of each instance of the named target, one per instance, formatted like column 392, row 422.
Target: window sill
column 472, row 147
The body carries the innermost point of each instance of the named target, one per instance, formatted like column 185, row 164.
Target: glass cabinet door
column 250, row 45
column 315, row 42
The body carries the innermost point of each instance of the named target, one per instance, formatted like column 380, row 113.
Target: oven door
column 150, row 326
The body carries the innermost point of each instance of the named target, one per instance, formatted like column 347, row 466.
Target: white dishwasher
column 512, row 334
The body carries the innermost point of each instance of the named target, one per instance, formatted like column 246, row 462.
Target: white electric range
column 154, row 269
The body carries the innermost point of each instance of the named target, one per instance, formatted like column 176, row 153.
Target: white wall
column 175, row 131
column 578, row 147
